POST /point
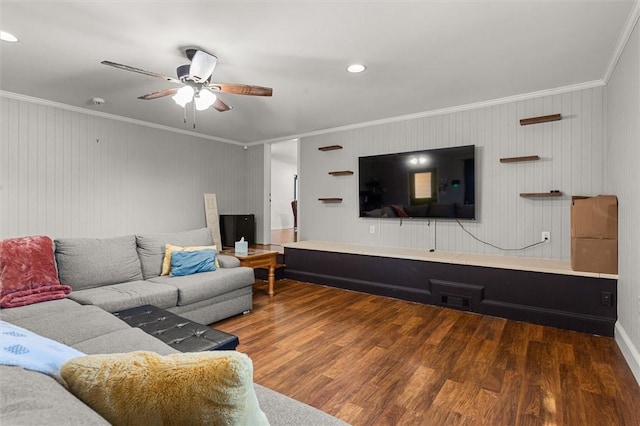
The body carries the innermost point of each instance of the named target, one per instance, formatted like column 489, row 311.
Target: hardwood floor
column 281, row 236
column 372, row 360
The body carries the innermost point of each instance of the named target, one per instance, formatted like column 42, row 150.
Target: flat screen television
column 435, row 183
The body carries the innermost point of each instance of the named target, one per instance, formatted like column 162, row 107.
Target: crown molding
column 72, row 108
column 632, row 21
column 442, row 111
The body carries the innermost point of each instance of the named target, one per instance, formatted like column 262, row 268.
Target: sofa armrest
column 227, row 261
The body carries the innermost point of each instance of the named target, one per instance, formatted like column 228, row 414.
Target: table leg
column 272, row 278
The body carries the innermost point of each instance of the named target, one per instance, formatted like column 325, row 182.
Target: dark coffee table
column 178, row 332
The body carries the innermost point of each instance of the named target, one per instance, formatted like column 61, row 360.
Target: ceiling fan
column 195, row 79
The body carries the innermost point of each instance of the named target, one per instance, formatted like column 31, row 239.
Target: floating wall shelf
column 330, row 200
column 540, row 194
column 341, row 173
column 330, row 147
column 519, row 159
column 541, row 119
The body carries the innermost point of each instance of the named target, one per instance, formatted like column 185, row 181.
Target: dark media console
column 579, row 303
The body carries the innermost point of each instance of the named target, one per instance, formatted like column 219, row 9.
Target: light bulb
column 356, row 68
column 5, row 36
column 183, row 96
column 204, row 99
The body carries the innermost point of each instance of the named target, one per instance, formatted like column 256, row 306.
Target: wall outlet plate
column 546, row 236
column 372, row 229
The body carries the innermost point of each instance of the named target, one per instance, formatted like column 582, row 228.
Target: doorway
column 284, row 192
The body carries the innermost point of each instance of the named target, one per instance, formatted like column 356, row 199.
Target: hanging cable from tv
column 497, row 247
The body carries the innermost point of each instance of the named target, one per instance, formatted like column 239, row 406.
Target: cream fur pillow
column 144, row 388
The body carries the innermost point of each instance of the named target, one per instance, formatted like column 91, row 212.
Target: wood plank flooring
column 372, row 360
column 281, row 236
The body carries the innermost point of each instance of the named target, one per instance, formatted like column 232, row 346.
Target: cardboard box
column 594, row 234
column 594, row 255
column 594, row 217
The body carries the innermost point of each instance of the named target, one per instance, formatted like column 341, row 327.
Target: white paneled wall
column 283, row 173
column 572, row 161
column 69, row 174
column 623, row 143
column 255, row 187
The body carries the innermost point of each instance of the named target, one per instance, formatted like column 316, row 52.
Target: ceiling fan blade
column 220, row 106
column 140, row 71
column 241, row 89
column 159, row 94
column 202, row 66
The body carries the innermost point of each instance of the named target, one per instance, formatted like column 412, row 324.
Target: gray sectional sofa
column 32, row 398
column 124, row 272
column 108, row 275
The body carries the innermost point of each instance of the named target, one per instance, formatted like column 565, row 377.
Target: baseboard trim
column 362, row 286
column 629, row 350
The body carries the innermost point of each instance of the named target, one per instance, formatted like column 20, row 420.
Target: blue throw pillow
column 191, row 262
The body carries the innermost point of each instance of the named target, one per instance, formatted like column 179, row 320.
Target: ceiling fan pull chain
column 185, row 116
column 194, row 114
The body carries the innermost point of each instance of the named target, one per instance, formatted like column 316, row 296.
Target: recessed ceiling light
column 356, row 68
column 5, row 36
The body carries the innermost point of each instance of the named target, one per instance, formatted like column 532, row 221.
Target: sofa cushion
column 28, row 272
column 129, row 340
column 419, row 210
column 76, row 325
column 41, row 310
column 144, row 388
column 282, row 410
column 32, row 398
column 151, row 247
column 117, row 297
column 442, row 210
column 93, row 262
column 197, row 287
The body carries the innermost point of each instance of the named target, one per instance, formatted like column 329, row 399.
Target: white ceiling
column 421, row 56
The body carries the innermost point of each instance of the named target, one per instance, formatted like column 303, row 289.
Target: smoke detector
column 97, row 101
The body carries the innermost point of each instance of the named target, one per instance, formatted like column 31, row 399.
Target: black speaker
column 235, row 226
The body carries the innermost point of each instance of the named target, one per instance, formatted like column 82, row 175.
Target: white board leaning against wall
column 213, row 220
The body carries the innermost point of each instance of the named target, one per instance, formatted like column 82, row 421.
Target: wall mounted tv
column 434, row 183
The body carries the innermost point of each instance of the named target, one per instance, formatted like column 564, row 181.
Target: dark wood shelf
column 541, row 119
column 330, row 147
column 540, row 194
column 519, row 159
column 341, row 173
column 330, row 200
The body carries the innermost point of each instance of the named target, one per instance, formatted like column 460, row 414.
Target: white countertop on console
column 551, row 266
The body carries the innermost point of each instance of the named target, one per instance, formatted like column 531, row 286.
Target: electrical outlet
column 372, row 229
column 546, row 236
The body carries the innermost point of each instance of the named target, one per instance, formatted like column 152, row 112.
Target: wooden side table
column 257, row 258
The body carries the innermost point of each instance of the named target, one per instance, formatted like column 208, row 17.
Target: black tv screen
column 434, row 183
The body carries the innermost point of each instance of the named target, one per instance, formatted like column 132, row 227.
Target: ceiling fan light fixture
column 183, row 72
column 202, row 66
column 183, row 96
column 204, row 99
